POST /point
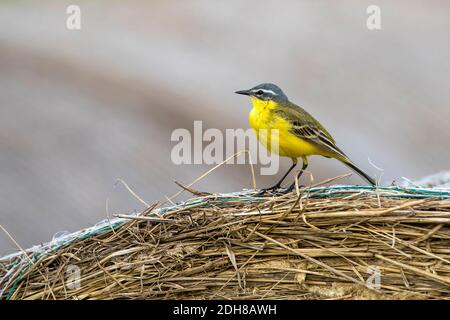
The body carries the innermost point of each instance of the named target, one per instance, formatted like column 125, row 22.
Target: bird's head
column 265, row 92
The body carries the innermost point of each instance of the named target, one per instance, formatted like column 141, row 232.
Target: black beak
column 244, row 92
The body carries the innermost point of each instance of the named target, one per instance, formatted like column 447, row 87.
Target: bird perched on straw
column 299, row 134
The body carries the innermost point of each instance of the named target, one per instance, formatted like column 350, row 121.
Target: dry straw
column 321, row 243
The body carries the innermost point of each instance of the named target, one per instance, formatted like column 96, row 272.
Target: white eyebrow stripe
column 267, row 91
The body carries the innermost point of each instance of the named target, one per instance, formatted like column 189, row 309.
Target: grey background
column 79, row 109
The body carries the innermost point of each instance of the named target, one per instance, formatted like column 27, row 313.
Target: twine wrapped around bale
column 323, row 243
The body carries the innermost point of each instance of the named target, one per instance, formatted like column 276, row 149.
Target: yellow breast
column 289, row 145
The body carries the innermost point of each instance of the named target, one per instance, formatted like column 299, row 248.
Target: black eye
column 259, row 92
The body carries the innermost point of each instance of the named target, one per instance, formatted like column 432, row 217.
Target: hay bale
column 324, row 243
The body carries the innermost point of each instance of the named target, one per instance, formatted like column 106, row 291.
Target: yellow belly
column 289, row 145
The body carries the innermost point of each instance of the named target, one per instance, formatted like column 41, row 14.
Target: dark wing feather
column 312, row 133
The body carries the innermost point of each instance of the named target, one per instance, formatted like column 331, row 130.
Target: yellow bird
column 299, row 134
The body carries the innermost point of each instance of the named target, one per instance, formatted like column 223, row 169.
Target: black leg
column 276, row 186
column 305, row 165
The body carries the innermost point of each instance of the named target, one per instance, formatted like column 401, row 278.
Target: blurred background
column 79, row 109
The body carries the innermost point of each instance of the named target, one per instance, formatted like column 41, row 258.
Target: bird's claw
column 272, row 190
column 277, row 190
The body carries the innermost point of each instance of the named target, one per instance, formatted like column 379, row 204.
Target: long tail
column 363, row 175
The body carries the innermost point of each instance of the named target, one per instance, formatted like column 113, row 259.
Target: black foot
column 272, row 190
column 292, row 187
column 277, row 190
